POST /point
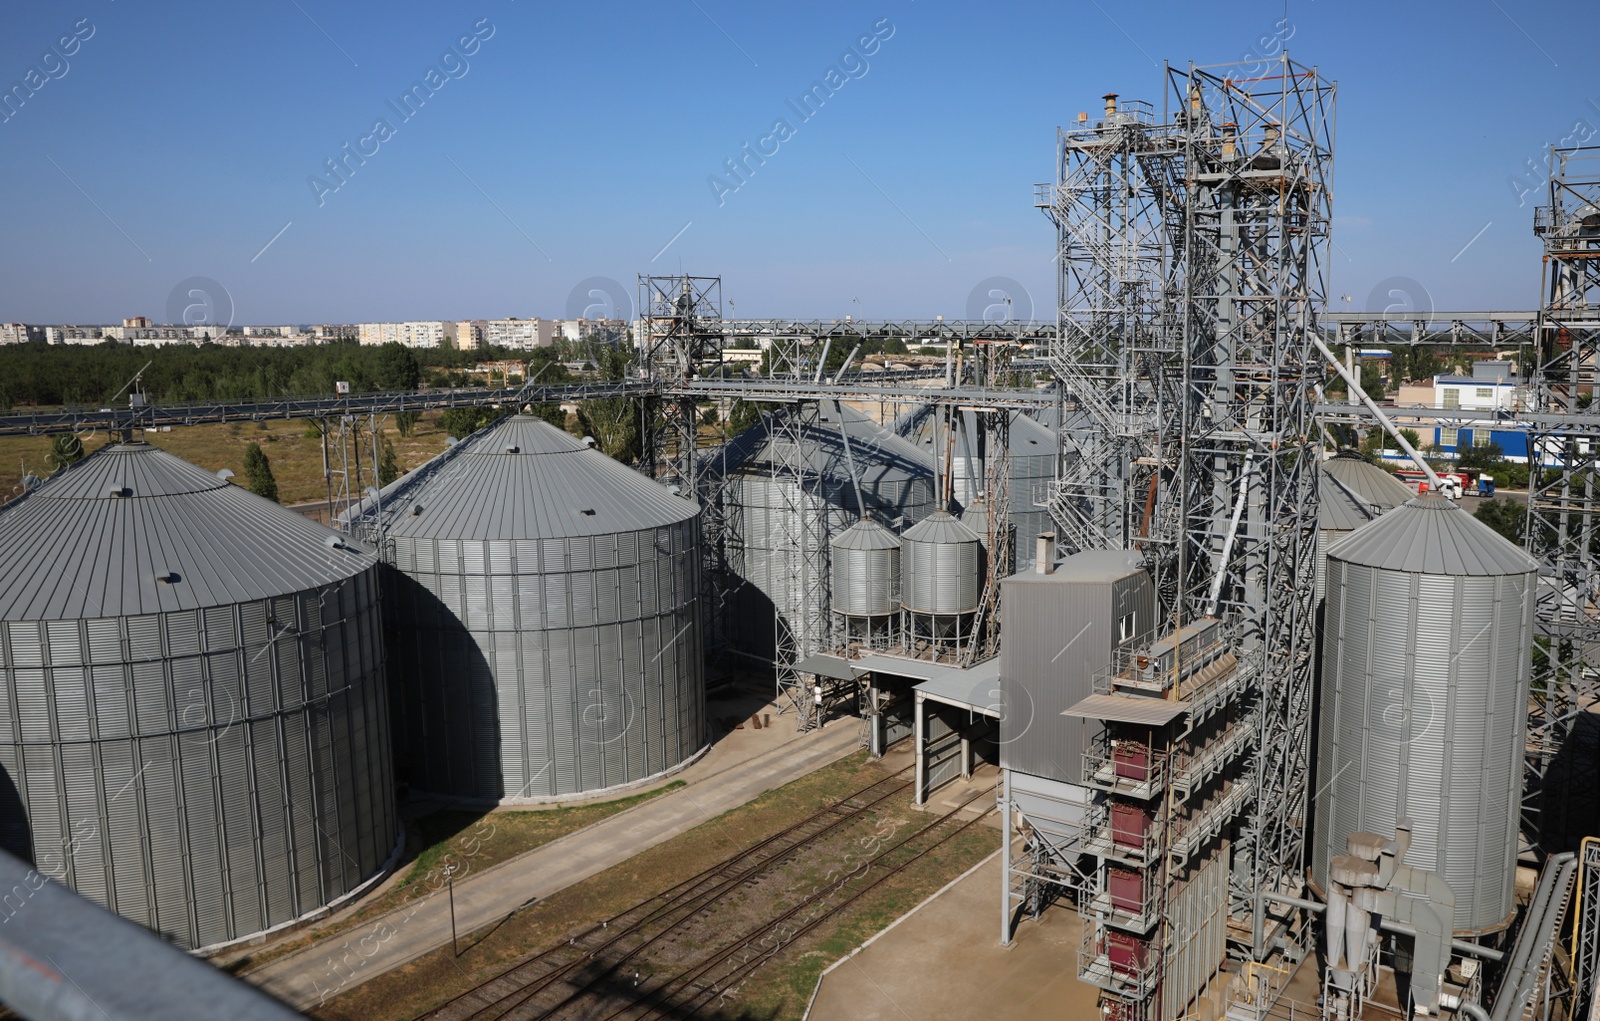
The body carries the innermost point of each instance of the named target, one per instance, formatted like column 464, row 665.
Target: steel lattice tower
column 1563, row 530
column 1115, row 346
column 1255, row 211
column 1192, row 259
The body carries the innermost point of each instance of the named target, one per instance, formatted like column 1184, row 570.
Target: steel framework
column 1563, row 529
column 1192, row 273
column 1256, row 213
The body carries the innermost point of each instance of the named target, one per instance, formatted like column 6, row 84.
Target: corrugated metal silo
column 897, row 486
column 545, row 621
column 866, row 570
column 193, row 711
column 1425, row 675
column 1353, row 492
column 941, row 566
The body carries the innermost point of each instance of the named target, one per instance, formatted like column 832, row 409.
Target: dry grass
column 296, row 457
column 473, row 840
column 781, row 989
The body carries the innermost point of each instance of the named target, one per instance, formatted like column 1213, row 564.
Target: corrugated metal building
column 1061, row 629
column 544, row 619
column 193, row 716
column 1033, row 465
column 897, row 486
column 1425, row 679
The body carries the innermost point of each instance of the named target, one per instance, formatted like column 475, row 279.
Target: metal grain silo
column 193, row 713
column 544, row 620
column 1425, row 681
column 941, row 577
column 1353, row 491
column 1033, row 452
column 762, row 508
column 866, row 581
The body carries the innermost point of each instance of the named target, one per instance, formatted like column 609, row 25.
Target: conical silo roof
column 940, row 527
column 1355, row 491
column 525, row 479
column 1431, row 535
column 133, row 530
column 866, row 534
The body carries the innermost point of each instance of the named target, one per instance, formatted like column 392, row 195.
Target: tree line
column 45, row 375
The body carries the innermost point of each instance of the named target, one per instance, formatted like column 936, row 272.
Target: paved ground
column 737, row 769
column 945, row 961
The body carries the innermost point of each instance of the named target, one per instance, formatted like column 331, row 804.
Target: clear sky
column 576, row 141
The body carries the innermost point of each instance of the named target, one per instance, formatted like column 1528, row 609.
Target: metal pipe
column 1354, row 387
column 850, row 463
column 66, row 959
column 845, row 367
column 1458, row 945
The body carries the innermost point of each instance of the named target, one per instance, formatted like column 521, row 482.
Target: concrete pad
column 320, row 971
column 944, row 960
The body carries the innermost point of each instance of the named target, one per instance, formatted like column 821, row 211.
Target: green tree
column 405, row 421
column 395, row 368
column 258, row 472
column 1372, row 381
column 65, row 450
column 388, row 465
column 613, row 421
column 742, row 415
column 463, row 422
column 1508, row 517
column 1486, row 457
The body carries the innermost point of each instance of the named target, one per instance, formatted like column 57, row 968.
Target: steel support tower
column 1115, row 348
column 680, row 341
column 1255, row 215
column 1563, row 530
column 1193, row 271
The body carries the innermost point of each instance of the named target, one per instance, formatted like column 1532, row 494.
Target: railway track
column 539, row 985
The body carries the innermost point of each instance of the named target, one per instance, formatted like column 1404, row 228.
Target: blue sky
column 578, row 140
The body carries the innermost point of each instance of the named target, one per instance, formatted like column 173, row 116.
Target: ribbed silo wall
column 866, row 582
column 207, row 773
column 1027, row 473
column 1425, row 688
column 940, row 578
column 763, row 515
column 537, row 669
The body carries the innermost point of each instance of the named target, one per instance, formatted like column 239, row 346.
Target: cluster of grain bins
column 1033, row 455
column 194, row 727
column 766, row 513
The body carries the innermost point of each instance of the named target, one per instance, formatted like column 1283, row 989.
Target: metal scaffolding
column 1255, row 216
column 1192, row 272
column 1563, row 529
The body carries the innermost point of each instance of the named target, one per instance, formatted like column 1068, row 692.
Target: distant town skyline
column 877, row 162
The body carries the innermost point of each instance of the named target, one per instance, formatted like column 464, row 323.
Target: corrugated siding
column 167, row 779
column 1059, row 635
column 940, row 577
column 1425, row 688
column 582, row 671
